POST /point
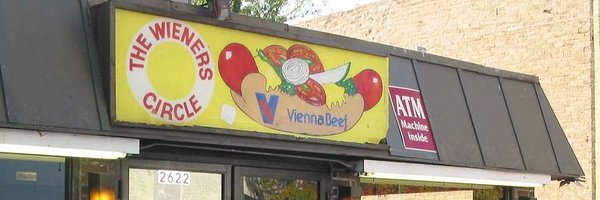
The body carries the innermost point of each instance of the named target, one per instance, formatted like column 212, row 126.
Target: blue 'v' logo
column 267, row 108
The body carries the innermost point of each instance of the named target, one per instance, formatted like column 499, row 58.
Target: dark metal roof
column 54, row 77
column 483, row 120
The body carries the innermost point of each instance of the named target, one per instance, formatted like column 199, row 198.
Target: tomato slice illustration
column 306, row 53
column 276, row 54
column 235, row 62
column 369, row 85
column 311, row 92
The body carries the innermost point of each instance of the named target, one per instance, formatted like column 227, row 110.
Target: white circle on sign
column 155, row 33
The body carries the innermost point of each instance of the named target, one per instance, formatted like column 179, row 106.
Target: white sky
column 333, row 6
column 342, row 5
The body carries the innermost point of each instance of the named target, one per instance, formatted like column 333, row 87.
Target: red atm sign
column 412, row 120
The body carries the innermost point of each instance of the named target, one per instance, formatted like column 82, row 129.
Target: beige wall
column 549, row 39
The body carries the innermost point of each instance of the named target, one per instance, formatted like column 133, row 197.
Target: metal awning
column 484, row 118
column 66, row 144
column 378, row 170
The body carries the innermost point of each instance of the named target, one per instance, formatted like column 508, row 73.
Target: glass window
column 155, row 184
column 185, row 1
column 95, row 179
column 424, row 190
column 27, row 177
column 256, row 188
column 523, row 193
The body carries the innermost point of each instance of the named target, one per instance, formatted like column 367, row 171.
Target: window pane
column 425, row 191
column 149, row 184
column 259, row 188
column 24, row 177
column 97, row 179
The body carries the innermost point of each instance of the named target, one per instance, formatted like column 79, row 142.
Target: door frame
column 240, row 171
column 225, row 170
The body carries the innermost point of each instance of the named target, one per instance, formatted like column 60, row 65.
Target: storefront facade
column 185, row 106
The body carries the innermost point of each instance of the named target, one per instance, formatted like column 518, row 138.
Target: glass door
column 277, row 184
column 166, row 180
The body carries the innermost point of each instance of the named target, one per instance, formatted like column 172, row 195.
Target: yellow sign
column 181, row 73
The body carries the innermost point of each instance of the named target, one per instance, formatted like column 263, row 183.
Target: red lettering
column 187, row 36
column 176, row 30
column 134, row 65
column 178, row 116
column 141, row 40
column 155, row 110
column 206, row 73
column 168, row 29
column 187, row 110
column 203, row 58
column 197, row 46
column 147, row 97
column 194, row 103
column 138, row 53
column 167, row 110
column 158, row 31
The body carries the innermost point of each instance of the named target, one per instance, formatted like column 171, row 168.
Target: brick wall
column 549, row 39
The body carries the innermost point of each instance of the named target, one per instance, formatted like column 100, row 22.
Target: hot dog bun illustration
column 296, row 94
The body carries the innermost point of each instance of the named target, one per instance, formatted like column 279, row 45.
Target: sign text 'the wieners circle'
column 162, row 32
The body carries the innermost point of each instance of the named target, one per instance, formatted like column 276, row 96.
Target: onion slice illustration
column 295, row 71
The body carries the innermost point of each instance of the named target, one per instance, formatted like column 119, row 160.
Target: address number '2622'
column 174, row 177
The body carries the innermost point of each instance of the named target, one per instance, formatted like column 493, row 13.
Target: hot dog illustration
column 299, row 101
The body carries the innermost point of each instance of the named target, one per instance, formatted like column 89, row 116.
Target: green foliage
column 488, row 194
column 265, row 9
column 281, row 189
column 199, row 2
column 275, row 10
